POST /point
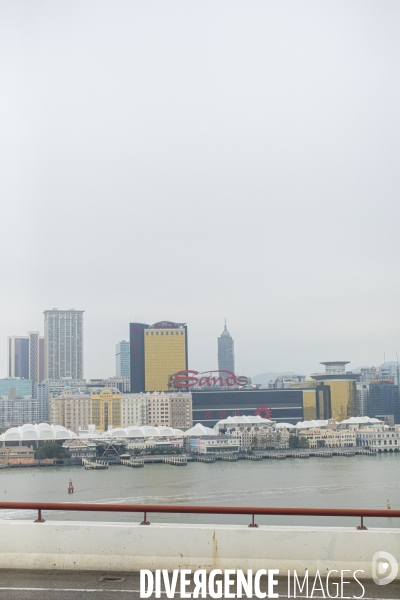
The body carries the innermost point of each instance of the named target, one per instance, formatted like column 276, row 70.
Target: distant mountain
column 265, row 378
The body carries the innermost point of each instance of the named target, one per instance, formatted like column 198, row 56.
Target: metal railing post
column 362, row 526
column 39, row 519
column 145, row 521
column 252, row 524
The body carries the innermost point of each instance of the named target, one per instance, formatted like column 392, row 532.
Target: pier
column 88, row 464
column 132, row 462
column 178, row 461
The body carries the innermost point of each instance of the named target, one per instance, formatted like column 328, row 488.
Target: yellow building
column 165, row 353
column 343, row 389
column 106, row 408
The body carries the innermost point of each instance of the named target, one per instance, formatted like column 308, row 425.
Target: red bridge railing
column 199, row 510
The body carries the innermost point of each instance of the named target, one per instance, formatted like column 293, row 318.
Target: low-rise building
column 71, row 410
column 328, row 438
column 134, row 410
column 214, row 445
column 17, row 455
column 379, row 437
column 80, row 449
column 169, row 409
column 106, row 408
column 257, row 438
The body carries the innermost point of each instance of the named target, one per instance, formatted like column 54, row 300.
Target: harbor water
column 339, row 482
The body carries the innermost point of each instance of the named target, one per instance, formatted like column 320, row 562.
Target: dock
column 136, row 463
column 88, row 464
column 204, row 458
column 178, row 461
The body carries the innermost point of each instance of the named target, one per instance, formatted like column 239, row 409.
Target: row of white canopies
column 44, row 431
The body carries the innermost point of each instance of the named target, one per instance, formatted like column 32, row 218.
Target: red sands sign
column 206, row 379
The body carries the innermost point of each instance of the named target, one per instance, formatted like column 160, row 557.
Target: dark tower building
column 226, row 353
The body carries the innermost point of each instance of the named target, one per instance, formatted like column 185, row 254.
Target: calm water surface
column 339, row 482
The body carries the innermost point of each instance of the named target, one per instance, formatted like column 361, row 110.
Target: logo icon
column 381, row 563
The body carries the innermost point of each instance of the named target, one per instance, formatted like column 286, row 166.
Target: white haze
column 192, row 161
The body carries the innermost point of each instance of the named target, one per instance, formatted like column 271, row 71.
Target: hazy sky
column 192, row 161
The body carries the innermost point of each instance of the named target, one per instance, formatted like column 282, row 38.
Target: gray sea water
column 339, row 482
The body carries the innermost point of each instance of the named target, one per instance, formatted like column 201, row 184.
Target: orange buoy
column 70, row 487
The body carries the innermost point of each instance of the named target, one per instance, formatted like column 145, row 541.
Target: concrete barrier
column 130, row 547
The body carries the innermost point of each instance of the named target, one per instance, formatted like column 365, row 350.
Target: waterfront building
column 226, row 351
column 181, row 410
column 122, row 359
column 284, row 405
column 80, row 449
column 123, row 384
column 134, row 410
column 158, row 410
column 70, row 410
column 17, row 455
column 26, row 357
column 15, row 410
column 319, row 437
column 259, row 437
column 51, row 388
column 106, row 408
column 166, row 409
column 342, row 385
column 379, row 437
column 214, row 445
column 63, row 343
column 156, row 353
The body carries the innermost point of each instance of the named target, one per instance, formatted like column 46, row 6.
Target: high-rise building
column 122, row 359
column 384, row 401
column 26, row 357
column 156, row 353
column 63, row 337
column 169, row 409
column 226, row 352
column 343, row 392
column 106, row 409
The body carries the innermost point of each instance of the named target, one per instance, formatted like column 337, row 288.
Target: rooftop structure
column 335, row 367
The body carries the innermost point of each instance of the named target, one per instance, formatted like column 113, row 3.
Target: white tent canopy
column 41, row 432
column 198, row 430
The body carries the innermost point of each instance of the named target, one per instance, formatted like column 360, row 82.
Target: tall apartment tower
column 123, row 359
column 26, row 357
column 63, row 343
column 226, row 351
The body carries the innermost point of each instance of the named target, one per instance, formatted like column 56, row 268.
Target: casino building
column 282, row 406
column 156, row 353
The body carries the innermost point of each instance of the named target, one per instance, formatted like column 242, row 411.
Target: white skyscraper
column 63, row 343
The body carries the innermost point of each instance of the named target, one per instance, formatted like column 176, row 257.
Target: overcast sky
column 191, row 161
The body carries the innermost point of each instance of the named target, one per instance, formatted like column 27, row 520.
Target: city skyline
column 98, row 357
